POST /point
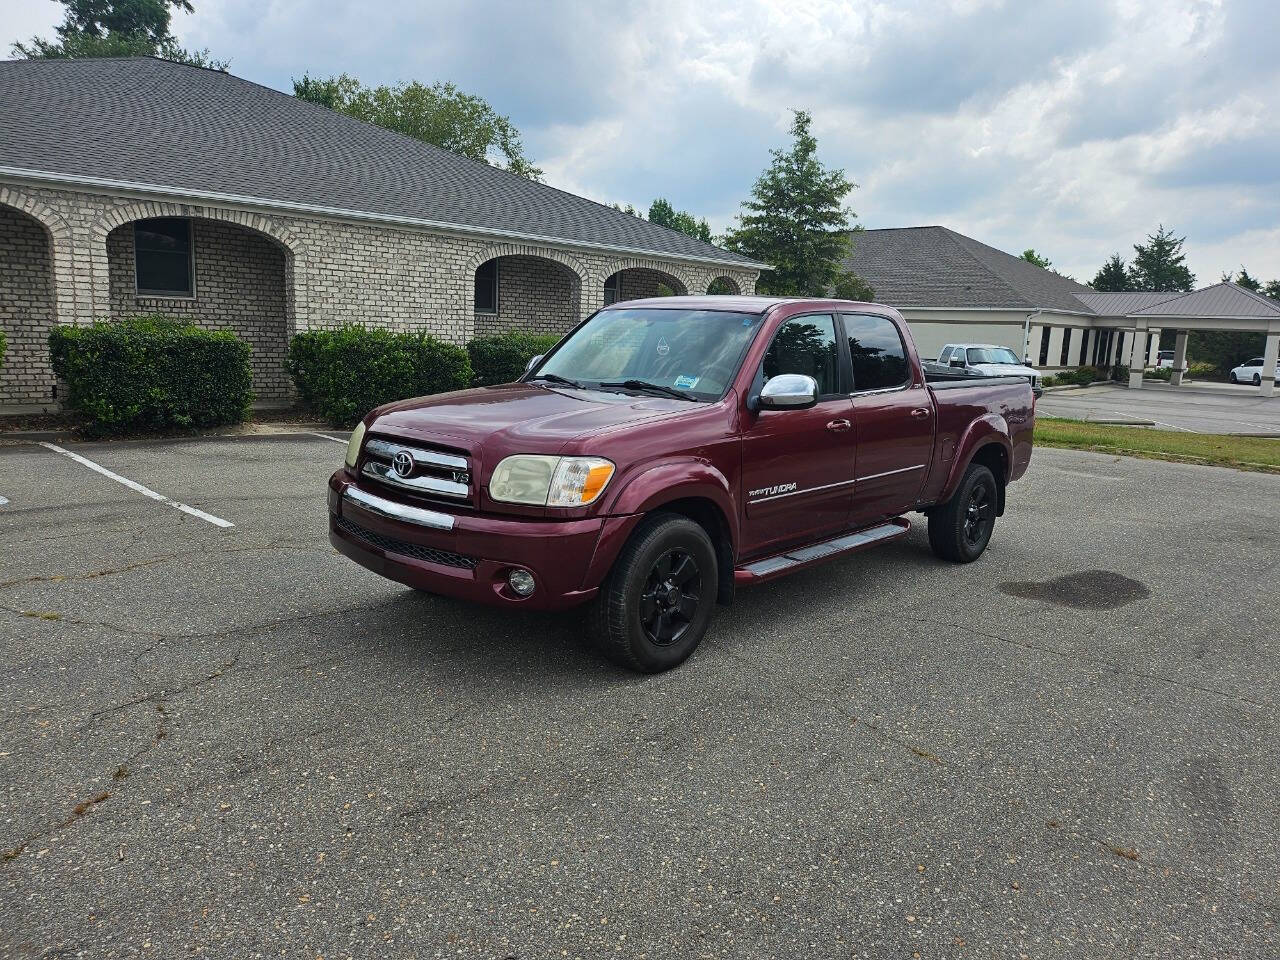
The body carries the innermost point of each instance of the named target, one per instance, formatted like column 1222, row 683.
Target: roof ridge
column 1267, row 301
column 955, row 237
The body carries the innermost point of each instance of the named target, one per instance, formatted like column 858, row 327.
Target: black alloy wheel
column 672, row 592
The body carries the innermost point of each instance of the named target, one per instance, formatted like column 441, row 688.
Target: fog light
column 521, row 581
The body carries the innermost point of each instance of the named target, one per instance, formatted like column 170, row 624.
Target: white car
column 990, row 360
column 1164, row 358
column 1248, row 372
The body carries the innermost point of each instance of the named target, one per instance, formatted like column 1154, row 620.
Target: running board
column 794, row 559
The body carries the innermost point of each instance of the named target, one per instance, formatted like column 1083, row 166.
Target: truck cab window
column 806, row 345
column 879, row 358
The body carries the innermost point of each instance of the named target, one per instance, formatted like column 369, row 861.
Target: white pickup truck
column 988, row 360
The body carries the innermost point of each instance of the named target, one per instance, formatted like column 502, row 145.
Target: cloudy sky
column 1071, row 127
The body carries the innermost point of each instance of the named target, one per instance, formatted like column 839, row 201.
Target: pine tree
column 1160, row 265
column 1113, row 276
column 1031, row 256
column 796, row 220
column 117, row 28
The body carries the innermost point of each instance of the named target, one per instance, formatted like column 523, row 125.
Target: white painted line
column 325, row 436
column 137, row 487
column 3, row 501
column 1173, row 426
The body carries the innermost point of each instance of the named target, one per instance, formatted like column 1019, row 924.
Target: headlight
column 550, row 481
column 353, row 445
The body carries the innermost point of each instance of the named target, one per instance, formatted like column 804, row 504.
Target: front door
column 797, row 465
column 893, row 417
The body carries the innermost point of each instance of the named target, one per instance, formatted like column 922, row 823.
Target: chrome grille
column 395, row 545
column 430, row 473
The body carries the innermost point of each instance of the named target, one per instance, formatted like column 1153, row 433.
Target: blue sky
column 1071, row 127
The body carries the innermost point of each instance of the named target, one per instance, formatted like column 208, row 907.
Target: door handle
column 919, row 413
column 839, row 426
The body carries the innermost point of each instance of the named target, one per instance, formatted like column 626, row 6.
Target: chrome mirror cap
column 533, row 362
column 789, row 391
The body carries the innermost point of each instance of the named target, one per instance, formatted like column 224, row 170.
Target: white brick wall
column 334, row 272
column 26, row 309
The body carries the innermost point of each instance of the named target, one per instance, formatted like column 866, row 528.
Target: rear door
column 797, row 465
column 893, row 417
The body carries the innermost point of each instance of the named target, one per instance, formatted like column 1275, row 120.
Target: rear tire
column 960, row 529
column 1257, row 379
column 656, row 604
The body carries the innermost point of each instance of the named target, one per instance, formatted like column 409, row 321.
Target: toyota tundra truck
column 667, row 452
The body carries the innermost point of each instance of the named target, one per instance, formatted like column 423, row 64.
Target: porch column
column 1076, row 349
column 1055, row 347
column 1153, row 351
column 1269, row 359
column 1137, row 359
column 1034, row 338
column 1179, row 358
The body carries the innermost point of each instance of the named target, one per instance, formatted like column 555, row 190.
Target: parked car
column 1248, row 372
column 668, row 451
column 988, row 360
column 1164, row 358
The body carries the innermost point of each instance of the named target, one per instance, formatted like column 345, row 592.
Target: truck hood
column 534, row 419
column 1006, row 369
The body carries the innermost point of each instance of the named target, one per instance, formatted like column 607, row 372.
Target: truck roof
column 735, row 303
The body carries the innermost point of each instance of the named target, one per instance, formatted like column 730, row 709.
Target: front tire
column 656, row 604
column 1232, row 377
column 960, row 529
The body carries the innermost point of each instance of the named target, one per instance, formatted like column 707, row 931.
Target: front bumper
column 468, row 556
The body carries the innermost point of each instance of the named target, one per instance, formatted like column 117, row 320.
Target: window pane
column 162, row 256
column 487, row 287
column 611, row 290
column 805, row 345
column 944, row 355
column 879, row 358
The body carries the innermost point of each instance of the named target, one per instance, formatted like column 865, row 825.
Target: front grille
column 394, row 545
column 435, row 473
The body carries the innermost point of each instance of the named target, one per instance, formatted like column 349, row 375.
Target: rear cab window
column 877, row 352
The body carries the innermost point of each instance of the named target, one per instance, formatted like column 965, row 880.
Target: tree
column 117, row 28
column 1244, row 280
column 1159, row 265
column 664, row 215
column 796, row 219
column 1113, row 276
column 1272, row 289
column 440, row 114
column 1031, row 256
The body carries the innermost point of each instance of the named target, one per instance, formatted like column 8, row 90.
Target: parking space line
column 137, row 487
column 325, row 436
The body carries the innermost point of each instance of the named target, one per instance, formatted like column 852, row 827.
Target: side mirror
column 958, row 362
column 789, row 391
column 533, row 362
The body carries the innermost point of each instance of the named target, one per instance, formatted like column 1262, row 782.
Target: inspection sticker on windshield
column 684, row 382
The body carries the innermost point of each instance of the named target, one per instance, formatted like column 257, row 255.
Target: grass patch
column 1243, row 453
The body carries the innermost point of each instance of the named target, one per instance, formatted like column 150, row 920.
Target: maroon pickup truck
column 667, row 451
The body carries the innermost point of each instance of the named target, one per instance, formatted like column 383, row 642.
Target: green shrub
column 152, row 372
column 1120, row 372
column 343, row 374
column 3, row 346
column 502, row 359
column 1202, row 368
column 1160, row 373
column 1048, row 381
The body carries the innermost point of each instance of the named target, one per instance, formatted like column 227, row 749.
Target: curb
column 257, row 431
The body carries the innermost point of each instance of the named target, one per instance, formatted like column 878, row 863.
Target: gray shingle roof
column 154, row 122
column 1108, row 304
column 937, row 267
column 1222, row 300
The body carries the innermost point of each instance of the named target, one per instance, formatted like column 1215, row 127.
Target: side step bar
column 791, row 560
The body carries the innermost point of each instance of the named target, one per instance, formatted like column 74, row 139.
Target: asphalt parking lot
column 230, row 741
column 1217, row 409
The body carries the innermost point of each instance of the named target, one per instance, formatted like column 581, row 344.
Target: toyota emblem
column 402, row 463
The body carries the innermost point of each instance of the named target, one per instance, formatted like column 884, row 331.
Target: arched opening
column 218, row 274
column 27, row 310
column 527, row 293
column 723, row 287
column 636, row 283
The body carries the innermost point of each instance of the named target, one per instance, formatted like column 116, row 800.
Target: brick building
column 137, row 185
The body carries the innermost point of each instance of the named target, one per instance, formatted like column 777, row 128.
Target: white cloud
column 1073, row 127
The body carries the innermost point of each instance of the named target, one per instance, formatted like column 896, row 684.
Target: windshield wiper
column 646, row 386
column 556, row 378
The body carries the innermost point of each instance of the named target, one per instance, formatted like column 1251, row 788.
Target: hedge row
column 4, row 345
column 151, row 373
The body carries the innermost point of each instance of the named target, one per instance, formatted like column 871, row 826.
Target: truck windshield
column 992, row 355
column 694, row 352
